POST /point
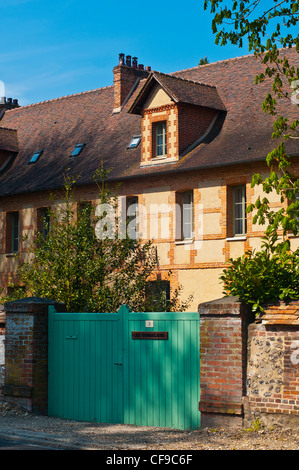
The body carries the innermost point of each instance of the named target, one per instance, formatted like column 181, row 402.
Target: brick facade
column 197, row 268
column 223, row 335
column 26, row 353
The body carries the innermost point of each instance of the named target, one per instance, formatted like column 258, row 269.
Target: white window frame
column 160, row 138
column 239, row 199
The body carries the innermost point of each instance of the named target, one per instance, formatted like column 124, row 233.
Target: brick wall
column 223, row 334
column 124, row 79
column 249, row 367
column 193, row 124
column 26, row 353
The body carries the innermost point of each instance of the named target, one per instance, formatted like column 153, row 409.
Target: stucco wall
column 195, row 265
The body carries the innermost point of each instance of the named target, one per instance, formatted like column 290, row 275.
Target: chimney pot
column 128, row 60
column 121, row 59
column 135, row 62
column 15, row 101
column 140, row 66
column 148, row 68
column 3, row 99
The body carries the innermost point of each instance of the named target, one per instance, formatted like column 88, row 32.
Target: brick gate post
column 223, row 345
column 26, row 353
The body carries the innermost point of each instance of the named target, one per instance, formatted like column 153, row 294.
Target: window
column 12, row 232
column 77, row 150
column 159, row 139
column 134, row 142
column 184, row 207
column 297, row 211
column 158, row 295
column 43, row 221
column 35, row 156
column 132, row 217
column 239, row 211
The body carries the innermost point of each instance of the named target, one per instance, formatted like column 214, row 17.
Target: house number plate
column 149, row 334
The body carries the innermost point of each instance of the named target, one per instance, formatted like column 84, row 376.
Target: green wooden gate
column 131, row 368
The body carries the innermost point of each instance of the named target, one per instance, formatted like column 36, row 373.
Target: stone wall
column 273, row 368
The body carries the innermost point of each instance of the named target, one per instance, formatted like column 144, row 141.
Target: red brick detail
column 194, row 121
column 223, row 327
column 26, row 353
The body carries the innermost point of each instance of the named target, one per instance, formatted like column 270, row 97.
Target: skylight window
column 35, row 156
column 77, row 150
column 134, row 142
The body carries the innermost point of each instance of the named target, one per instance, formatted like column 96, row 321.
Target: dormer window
column 177, row 114
column 77, row 150
column 35, row 156
column 134, row 142
column 159, row 139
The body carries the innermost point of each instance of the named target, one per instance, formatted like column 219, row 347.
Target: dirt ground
column 96, row 436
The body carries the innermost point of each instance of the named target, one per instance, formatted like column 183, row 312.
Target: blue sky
column 53, row 48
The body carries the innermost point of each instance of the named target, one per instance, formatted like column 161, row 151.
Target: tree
column 203, row 61
column 265, row 31
column 88, row 272
column 271, row 273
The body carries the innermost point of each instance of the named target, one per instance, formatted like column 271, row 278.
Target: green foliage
column 272, row 273
column 265, row 32
column 255, row 426
column 73, row 266
column 234, row 21
column 263, row 277
column 203, row 61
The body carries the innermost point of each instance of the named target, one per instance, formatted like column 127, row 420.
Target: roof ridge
column 185, row 79
column 216, row 62
column 60, row 98
column 245, row 56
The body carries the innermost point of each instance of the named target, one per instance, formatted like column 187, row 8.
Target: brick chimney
column 8, row 103
column 126, row 77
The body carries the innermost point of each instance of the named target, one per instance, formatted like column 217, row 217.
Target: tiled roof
column 283, row 314
column 182, row 91
column 8, row 139
column 240, row 135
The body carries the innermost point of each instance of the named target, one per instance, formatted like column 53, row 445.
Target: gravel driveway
column 82, row 435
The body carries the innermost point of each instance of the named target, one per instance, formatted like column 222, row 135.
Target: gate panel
column 101, row 370
column 85, row 382
column 162, row 375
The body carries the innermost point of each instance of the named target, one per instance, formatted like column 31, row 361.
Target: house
column 184, row 147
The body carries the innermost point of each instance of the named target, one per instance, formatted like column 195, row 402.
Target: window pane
column 187, row 214
column 15, row 232
column 132, row 218
column 240, row 222
column 160, row 138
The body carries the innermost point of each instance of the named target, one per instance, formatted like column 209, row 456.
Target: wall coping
column 282, row 314
column 32, row 305
column 224, row 306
